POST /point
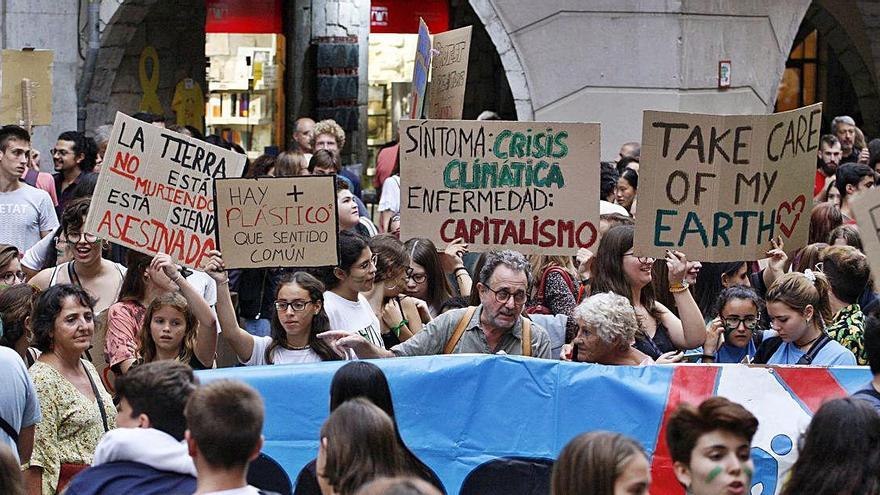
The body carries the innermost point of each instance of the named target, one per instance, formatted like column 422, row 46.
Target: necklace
column 808, row 343
column 296, row 348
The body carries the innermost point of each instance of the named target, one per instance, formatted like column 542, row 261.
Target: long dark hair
column 16, row 303
column 134, row 285
column 609, row 277
column 320, row 322
column 835, row 459
column 709, row 285
column 424, row 252
column 351, row 245
column 365, row 379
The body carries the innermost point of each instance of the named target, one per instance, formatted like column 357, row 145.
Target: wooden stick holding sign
column 26, row 87
column 155, row 191
column 720, row 187
column 271, row 222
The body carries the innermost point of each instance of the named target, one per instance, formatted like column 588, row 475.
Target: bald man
column 302, row 135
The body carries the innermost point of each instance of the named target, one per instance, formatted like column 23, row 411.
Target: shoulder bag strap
column 97, row 397
column 814, row 349
column 526, row 337
column 871, row 392
column 459, row 330
column 6, row 427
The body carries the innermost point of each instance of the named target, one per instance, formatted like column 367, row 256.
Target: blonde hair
column 797, row 291
column 541, row 262
column 290, row 164
column 146, row 344
column 329, row 126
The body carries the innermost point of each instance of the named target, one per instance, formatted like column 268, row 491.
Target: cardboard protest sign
column 720, row 187
column 449, row 73
column 866, row 208
column 277, row 221
column 420, row 72
column 529, row 186
column 36, row 67
column 155, row 191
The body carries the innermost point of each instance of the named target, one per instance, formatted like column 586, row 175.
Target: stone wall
column 47, row 24
column 175, row 29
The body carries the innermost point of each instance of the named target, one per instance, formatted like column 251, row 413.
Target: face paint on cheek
column 713, row 474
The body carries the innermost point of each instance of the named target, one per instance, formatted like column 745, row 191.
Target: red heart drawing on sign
column 790, row 208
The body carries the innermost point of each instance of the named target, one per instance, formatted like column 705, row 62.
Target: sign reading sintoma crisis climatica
column 529, row 186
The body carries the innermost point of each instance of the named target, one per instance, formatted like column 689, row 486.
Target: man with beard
column 496, row 326
column 844, row 127
column 826, row 166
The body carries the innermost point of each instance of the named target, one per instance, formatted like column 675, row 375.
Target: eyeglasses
column 366, row 264
column 503, row 295
column 77, row 237
column 418, row 278
column 297, row 306
column 10, row 278
column 732, row 324
column 642, row 259
column 56, row 151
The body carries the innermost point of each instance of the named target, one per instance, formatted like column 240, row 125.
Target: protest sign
column 420, row 72
column 277, row 221
column 529, row 186
column 155, row 191
column 449, row 73
column 720, row 187
column 866, row 208
column 35, row 67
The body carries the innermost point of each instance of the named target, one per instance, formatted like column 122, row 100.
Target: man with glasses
column 496, row 326
column 27, row 213
column 74, row 155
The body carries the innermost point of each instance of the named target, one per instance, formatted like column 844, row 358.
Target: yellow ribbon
column 150, row 101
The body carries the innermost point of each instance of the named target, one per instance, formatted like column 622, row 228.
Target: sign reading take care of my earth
column 720, row 187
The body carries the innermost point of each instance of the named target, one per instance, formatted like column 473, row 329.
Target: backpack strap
column 565, row 277
column 6, row 427
column 767, row 349
column 870, row 392
column 526, row 337
column 814, row 349
column 459, row 330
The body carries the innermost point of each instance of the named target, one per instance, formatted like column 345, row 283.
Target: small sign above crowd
column 277, row 221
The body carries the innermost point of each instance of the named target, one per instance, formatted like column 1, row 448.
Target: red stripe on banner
column 813, row 386
column 691, row 384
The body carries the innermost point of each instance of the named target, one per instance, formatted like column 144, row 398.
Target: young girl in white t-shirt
column 344, row 300
column 298, row 317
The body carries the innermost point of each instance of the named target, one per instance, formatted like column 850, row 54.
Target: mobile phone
column 692, row 357
column 574, row 353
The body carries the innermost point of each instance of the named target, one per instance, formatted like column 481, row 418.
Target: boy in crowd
column 146, row 454
column 225, row 424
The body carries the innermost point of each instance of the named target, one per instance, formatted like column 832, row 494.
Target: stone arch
column 116, row 37
column 849, row 41
column 519, row 85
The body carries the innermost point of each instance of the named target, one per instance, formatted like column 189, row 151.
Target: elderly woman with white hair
column 606, row 332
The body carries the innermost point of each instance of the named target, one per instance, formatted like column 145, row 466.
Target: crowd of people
column 99, row 342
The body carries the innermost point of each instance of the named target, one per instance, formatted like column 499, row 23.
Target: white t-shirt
column 245, row 490
column 37, row 254
column 353, row 317
column 19, row 404
column 390, row 199
column 280, row 355
column 605, row 208
column 26, row 212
